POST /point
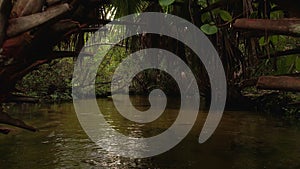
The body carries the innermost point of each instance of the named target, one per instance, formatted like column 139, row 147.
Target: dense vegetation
column 254, row 41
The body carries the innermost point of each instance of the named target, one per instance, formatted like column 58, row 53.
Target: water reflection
column 243, row 140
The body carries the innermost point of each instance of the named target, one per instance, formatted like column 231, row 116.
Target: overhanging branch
column 281, row 26
column 23, row 24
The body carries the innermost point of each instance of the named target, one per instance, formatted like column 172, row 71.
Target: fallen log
column 284, row 83
column 5, row 7
column 23, row 24
column 281, row 26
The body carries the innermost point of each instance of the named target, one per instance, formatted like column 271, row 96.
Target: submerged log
column 280, row 26
column 23, row 24
column 4, row 130
column 284, row 83
column 22, row 99
column 5, row 7
column 6, row 119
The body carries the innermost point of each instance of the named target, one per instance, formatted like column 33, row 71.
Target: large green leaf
column 205, row 17
column 225, row 15
column 262, row 41
column 166, row 2
column 209, row 29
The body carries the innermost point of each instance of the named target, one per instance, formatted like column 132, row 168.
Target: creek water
column 243, row 140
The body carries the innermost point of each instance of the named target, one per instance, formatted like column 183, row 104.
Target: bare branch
column 282, row 26
column 23, row 24
column 281, row 53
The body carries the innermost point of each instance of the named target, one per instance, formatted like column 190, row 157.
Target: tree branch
column 284, row 83
column 23, row 24
column 281, row 53
column 282, row 26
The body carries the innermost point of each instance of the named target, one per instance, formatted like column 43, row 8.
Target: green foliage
column 209, row 29
column 126, row 7
column 50, row 82
column 254, row 15
column 238, row 52
column 166, row 2
column 225, row 15
column 277, row 14
column 284, row 64
column 206, row 17
column 209, row 26
column 202, row 3
column 287, row 64
column 276, row 103
column 262, row 41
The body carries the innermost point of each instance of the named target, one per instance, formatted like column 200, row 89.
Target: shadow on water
column 243, row 140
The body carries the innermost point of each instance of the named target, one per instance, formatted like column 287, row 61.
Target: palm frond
column 126, row 7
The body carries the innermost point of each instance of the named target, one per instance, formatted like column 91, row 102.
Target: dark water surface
column 243, row 140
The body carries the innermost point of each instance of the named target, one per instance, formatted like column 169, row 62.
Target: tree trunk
column 285, row 83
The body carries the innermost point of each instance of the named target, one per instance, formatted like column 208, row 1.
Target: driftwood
column 281, row 26
column 5, row 7
column 23, row 24
column 284, row 83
